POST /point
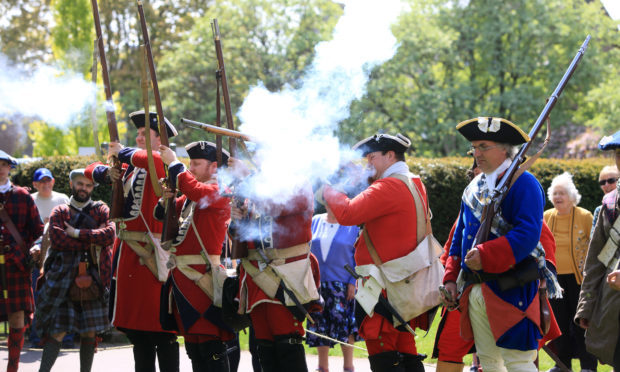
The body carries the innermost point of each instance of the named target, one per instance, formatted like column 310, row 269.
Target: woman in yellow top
column 571, row 226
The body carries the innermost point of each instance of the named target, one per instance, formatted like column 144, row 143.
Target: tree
column 267, row 41
column 24, row 30
column 459, row 60
column 73, row 34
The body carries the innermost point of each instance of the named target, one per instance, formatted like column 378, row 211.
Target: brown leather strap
column 82, row 268
column 6, row 220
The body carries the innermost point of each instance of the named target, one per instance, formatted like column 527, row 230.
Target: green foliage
column 60, row 166
column 459, row 60
column 72, row 36
column 263, row 41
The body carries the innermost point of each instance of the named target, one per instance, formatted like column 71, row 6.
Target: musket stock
column 500, row 191
column 116, row 208
column 171, row 222
column 210, row 128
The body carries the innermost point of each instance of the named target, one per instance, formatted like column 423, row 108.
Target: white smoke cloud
column 295, row 127
column 48, row 93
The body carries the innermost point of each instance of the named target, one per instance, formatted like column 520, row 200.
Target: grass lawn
column 425, row 344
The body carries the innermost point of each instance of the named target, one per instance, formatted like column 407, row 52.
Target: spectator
column 608, row 180
column 333, row 246
column 46, row 199
column 570, row 226
column 598, row 311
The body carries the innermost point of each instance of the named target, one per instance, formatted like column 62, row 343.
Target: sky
column 613, row 8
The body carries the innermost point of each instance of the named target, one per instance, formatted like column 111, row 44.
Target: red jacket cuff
column 453, row 267
column 496, row 255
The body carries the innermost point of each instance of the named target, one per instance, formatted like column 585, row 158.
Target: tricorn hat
column 8, row 158
column 138, row 120
column 205, row 150
column 492, row 129
column 383, row 142
column 610, row 142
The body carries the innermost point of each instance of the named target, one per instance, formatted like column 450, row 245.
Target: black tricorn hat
column 205, row 150
column 492, row 129
column 138, row 120
column 383, row 142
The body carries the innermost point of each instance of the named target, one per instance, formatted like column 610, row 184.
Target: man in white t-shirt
column 46, row 198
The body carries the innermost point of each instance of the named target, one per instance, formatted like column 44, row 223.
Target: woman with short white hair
column 571, row 226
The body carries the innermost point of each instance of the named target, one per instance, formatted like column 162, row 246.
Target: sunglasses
column 609, row 181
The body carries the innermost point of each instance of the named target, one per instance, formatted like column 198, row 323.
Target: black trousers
column 571, row 344
column 148, row 345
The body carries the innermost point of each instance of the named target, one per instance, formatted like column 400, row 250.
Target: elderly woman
column 570, row 226
column 608, row 180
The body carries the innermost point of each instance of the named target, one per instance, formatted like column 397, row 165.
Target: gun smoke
column 295, row 128
column 46, row 92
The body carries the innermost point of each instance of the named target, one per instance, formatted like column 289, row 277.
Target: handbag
column 84, row 287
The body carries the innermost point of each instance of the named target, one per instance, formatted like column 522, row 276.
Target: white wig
column 565, row 180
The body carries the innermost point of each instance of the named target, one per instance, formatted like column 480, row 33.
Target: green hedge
column 445, row 179
column 60, row 166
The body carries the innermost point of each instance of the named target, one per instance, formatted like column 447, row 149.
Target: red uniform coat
column 25, row 216
column 387, row 210
column 137, row 292
column 283, row 226
column 211, row 215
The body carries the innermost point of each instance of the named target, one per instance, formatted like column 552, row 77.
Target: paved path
column 120, row 358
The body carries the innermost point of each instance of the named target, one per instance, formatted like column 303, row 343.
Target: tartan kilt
column 55, row 312
column 19, row 285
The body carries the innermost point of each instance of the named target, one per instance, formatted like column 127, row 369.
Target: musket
column 116, row 208
column 171, row 223
column 221, row 70
column 238, row 249
column 385, row 302
column 286, row 290
column 93, row 111
column 147, row 118
column 210, row 128
column 500, row 191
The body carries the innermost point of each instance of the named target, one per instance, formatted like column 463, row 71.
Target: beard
column 80, row 195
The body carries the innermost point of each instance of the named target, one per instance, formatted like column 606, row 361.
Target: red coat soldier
column 277, row 236
column 387, row 209
column 191, row 298
column 136, row 286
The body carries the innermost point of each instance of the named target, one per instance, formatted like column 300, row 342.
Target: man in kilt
column 20, row 226
column 192, row 296
column 80, row 231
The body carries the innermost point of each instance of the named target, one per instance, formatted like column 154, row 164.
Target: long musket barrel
column 222, row 70
column 210, row 128
column 500, row 191
column 171, row 223
column 116, row 209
